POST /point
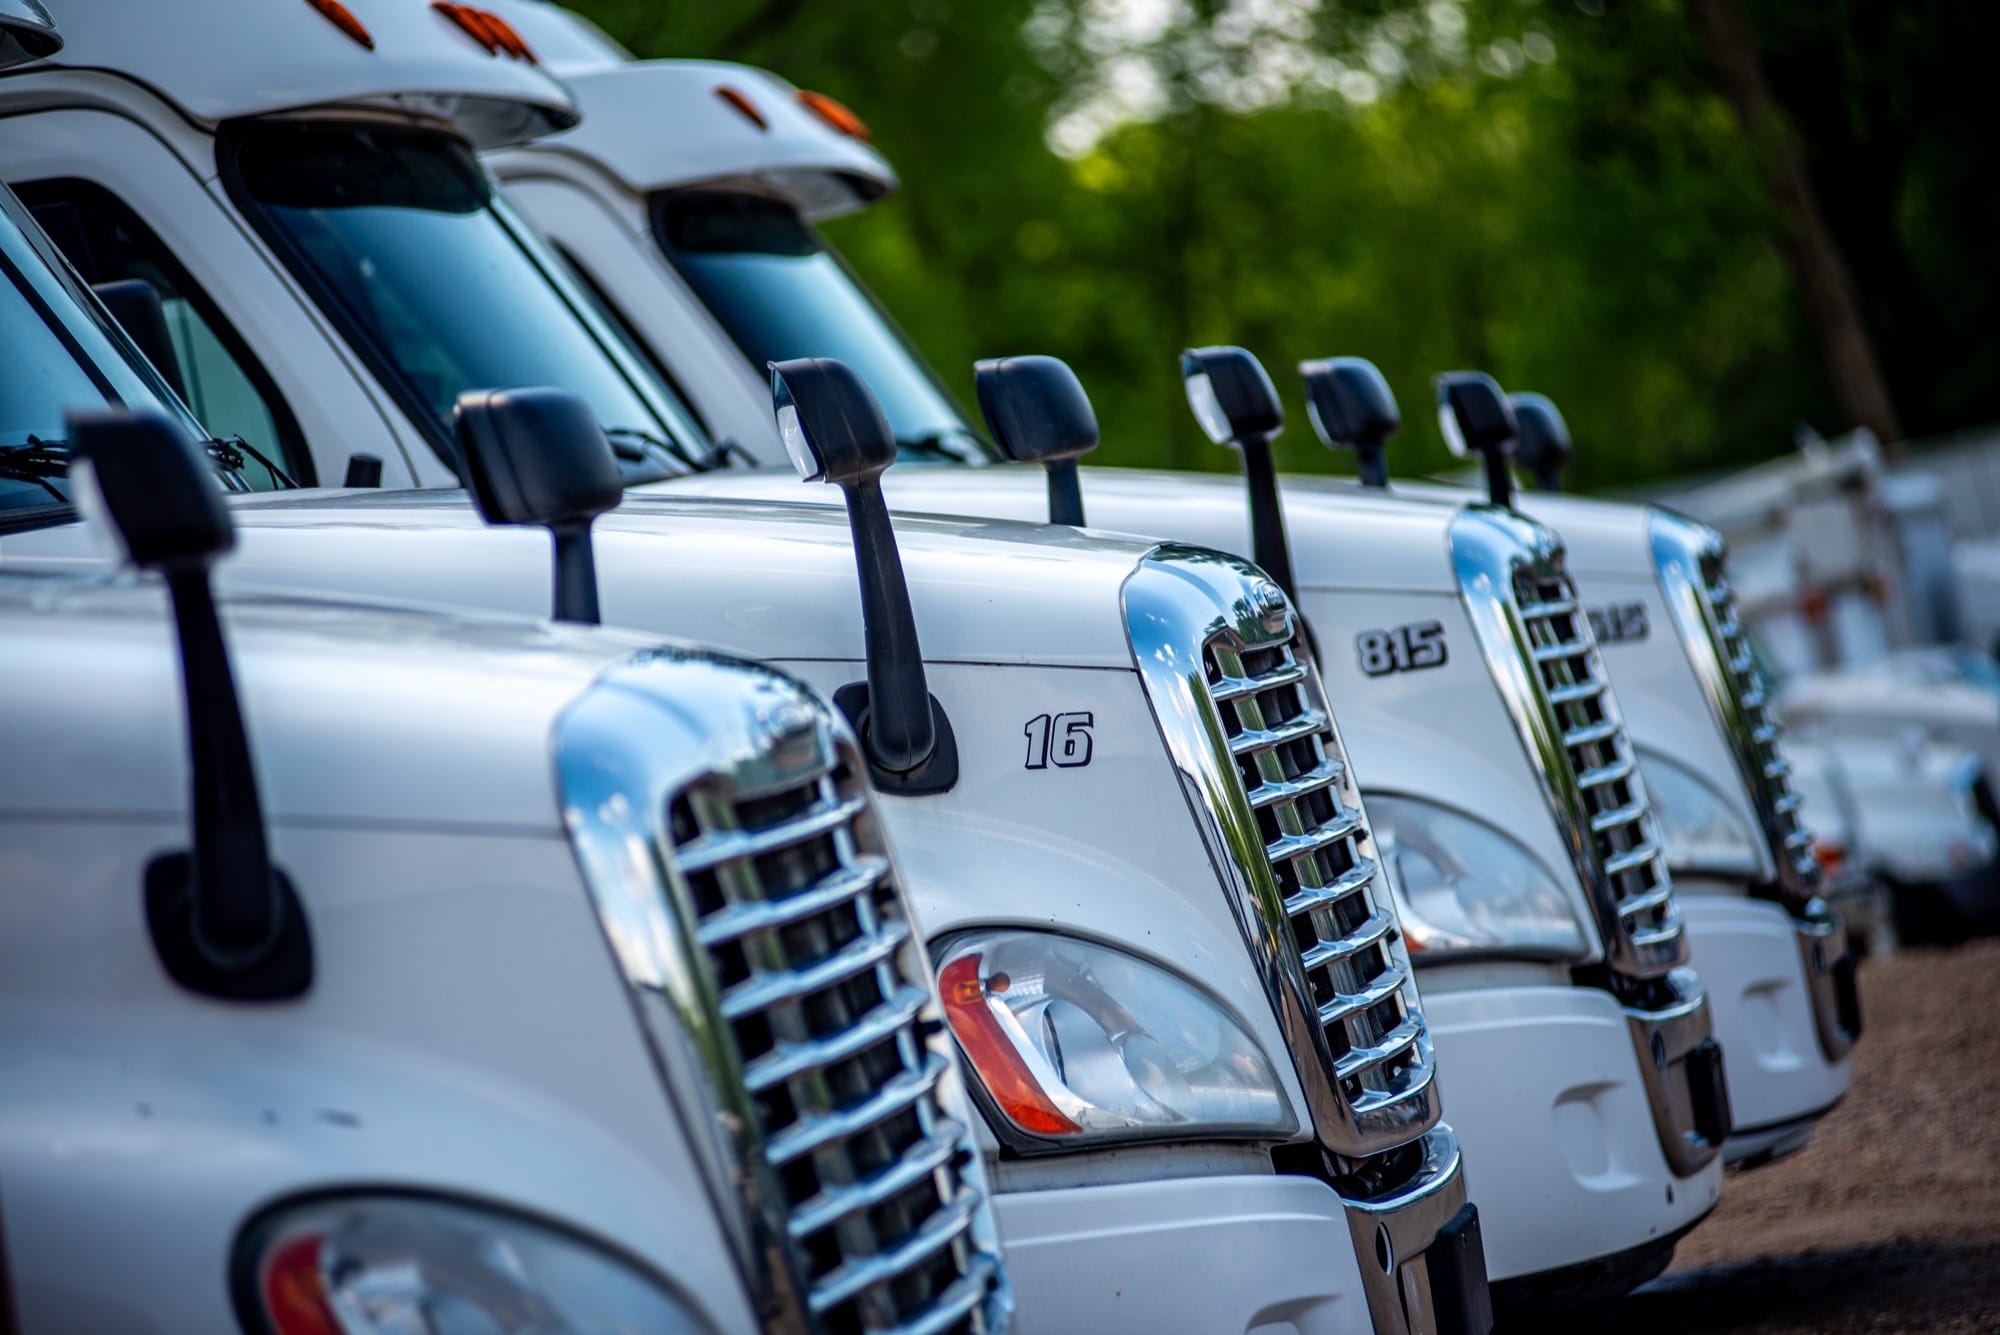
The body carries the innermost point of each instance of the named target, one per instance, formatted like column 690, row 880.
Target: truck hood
column 221, row 59
column 1408, row 547
column 356, row 713
column 769, row 580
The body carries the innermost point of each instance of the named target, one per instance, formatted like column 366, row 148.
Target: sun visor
column 222, row 59
column 27, row 32
column 665, row 124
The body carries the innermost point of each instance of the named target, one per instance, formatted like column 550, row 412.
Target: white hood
column 355, row 714
column 772, row 581
column 1407, row 545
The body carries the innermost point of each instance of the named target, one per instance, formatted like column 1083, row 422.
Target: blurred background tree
column 1567, row 193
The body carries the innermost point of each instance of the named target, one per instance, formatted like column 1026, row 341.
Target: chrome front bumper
column 1680, row 1064
column 1423, row 1261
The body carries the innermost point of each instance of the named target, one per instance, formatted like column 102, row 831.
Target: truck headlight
column 1699, row 829
column 1078, row 1044
column 389, row 1264
column 1463, row 887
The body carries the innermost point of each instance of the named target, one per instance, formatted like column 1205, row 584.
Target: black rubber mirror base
column 939, row 774
column 282, row 972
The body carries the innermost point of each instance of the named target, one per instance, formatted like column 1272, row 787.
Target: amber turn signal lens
column 993, row 1055
column 835, row 114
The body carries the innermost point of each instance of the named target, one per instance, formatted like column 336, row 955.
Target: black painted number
column 1401, row 648
column 1062, row 740
column 1619, row 621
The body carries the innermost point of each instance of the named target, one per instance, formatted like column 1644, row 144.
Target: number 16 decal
column 1062, row 740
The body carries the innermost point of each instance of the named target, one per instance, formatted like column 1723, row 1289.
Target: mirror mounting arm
column 901, row 735
column 225, row 921
column 1499, row 478
column 1065, row 493
column 576, row 573
column 1269, row 546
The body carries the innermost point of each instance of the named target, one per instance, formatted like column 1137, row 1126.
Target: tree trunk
column 1824, row 284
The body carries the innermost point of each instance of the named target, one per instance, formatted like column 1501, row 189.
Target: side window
column 223, row 382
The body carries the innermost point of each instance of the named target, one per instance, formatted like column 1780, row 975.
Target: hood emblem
column 1272, row 607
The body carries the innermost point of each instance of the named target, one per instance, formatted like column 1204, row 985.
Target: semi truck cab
column 350, row 958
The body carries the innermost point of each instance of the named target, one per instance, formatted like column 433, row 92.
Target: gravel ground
column 1890, row 1219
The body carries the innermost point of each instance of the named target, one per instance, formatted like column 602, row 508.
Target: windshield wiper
column 957, row 446
column 50, row 454
column 39, row 461
column 228, row 452
column 636, row 453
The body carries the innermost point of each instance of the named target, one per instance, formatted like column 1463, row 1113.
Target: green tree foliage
column 1551, row 191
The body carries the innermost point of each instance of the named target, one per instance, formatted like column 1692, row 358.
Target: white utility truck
column 1133, row 840
column 700, row 239
column 356, row 968
column 1525, row 938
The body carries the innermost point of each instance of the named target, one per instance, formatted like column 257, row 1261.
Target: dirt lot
column 1890, row 1220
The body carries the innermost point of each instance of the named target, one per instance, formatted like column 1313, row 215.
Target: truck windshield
column 400, row 237
column 781, row 293
column 60, row 351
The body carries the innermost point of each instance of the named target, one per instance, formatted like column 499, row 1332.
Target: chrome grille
column 1336, row 911
column 1691, row 559
column 1613, row 798
column 1792, row 842
column 824, row 1000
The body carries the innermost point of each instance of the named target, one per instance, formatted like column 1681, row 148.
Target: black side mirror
column 835, row 432
column 1237, row 405
column 1352, row 407
column 537, row 458
column 1476, row 418
column 135, row 304
column 26, row 33
column 224, row 920
column 1544, row 447
column 1038, row 413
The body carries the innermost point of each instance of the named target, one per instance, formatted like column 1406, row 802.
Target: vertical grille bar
column 1538, row 643
column 1615, row 811
column 1793, row 846
column 1318, row 846
column 1242, row 711
column 807, row 942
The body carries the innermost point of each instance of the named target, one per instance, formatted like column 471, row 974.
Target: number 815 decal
column 1400, row 649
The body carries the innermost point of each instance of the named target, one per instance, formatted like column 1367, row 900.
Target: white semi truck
column 1190, row 1014
column 277, row 871
column 700, row 239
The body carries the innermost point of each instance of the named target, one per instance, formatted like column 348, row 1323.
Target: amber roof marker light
column 470, row 22
column 744, row 106
column 510, row 41
column 835, row 113
column 341, row 17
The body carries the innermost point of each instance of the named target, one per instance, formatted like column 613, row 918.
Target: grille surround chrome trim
column 1689, row 559
column 668, row 723
column 1177, row 603
column 1490, row 550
